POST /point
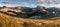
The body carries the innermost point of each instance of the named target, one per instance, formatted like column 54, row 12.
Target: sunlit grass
column 7, row 21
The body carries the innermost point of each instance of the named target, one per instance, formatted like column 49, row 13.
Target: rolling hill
column 9, row 21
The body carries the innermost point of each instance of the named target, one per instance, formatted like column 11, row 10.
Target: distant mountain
column 54, row 9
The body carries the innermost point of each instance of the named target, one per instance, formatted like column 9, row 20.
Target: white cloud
column 51, row 5
column 45, row 1
column 24, row 3
column 55, row 5
column 14, row 2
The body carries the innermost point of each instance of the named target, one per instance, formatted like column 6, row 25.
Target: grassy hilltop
column 6, row 21
column 9, row 21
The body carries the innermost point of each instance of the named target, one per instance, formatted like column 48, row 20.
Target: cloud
column 24, row 3
column 14, row 2
column 45, row 1
column 50, row 5
column 54, row 5
column 7, row 2
column 21, row 3
column 31, row 1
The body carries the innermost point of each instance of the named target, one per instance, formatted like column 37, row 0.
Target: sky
column 30, row 3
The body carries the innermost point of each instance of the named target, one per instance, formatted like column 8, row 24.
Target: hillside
column 6, row 21
column 9, row 21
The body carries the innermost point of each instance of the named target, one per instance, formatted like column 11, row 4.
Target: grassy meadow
column 9, row 21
